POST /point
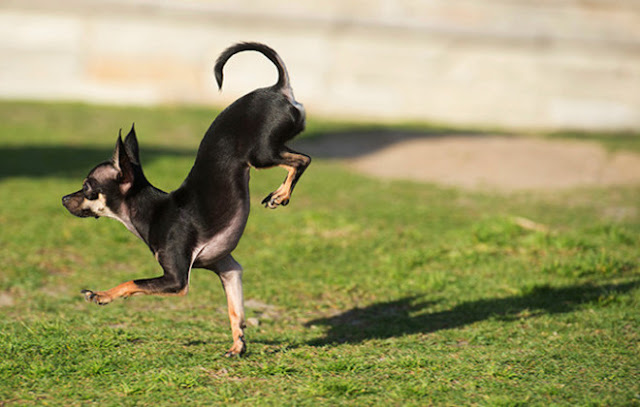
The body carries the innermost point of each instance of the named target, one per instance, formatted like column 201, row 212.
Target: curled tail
column 283, row 76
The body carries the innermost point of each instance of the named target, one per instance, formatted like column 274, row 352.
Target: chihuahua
column 200, row 223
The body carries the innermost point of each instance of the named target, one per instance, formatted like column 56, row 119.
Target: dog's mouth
column 85, row 214
column 73, row 203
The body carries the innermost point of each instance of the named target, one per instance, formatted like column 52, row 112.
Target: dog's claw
column 88, row 294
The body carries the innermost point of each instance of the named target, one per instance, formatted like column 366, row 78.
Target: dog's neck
column 137, row 210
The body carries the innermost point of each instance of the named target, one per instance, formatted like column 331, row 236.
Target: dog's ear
column 131, row 146
column 122, row 163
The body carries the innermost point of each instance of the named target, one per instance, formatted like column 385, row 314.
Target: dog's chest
column 221, row 243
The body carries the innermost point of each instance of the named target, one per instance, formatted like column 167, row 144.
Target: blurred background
column 468, row 232
column 514, row 64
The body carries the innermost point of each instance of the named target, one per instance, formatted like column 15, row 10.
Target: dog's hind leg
column 295, row 163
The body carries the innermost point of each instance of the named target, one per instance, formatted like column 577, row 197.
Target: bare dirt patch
column 480, row 161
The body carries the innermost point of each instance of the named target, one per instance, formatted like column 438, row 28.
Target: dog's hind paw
column 272, row 201
column 100, row 298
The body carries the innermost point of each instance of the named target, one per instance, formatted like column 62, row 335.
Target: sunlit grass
column 360, row 292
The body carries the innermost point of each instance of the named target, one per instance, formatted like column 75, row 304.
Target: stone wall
column 505, row 63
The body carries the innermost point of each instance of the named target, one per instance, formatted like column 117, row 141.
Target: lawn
column 360, row 292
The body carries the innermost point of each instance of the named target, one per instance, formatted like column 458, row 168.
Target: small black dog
column 199, row 224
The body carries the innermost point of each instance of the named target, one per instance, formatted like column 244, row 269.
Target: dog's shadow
column 411, row 315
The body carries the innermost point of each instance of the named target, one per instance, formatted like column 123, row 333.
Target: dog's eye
column 88, row 192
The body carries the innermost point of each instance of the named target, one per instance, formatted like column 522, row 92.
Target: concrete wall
column 508, row 63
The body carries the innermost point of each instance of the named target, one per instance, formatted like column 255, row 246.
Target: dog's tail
column 283, row 75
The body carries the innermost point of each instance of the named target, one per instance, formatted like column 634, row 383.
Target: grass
column 613, row 141
column 361, row 292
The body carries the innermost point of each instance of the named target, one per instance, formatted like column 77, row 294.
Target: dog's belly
column 223, row 242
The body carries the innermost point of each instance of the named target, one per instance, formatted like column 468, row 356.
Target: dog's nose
column 65, row 199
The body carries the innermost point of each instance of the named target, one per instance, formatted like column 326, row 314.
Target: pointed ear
column 131, row 145
column 115, row 158
column 122, row 162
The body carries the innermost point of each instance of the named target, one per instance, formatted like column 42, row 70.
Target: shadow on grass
column 68, row 162
column 410, row 315
column 76, row 161
column 358, row 142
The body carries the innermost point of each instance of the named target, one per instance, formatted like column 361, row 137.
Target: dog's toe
column 273, row 200
column 238, row 349
column 88, row 294
column 98, row 298
column 270, row 202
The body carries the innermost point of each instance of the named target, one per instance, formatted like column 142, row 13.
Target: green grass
column 367, row 292
column 612, row 141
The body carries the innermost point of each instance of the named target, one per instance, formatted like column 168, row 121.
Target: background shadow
column 359, row 142
column 65, row 161
column 68, row 162
column 409, row 315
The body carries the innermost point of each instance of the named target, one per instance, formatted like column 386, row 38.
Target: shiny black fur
column 200, row 223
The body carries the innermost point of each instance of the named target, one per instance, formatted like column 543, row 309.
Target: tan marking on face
column 99, row 207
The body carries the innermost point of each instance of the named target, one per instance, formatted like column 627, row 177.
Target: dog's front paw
column 238, row 348
column 273, row 200
column 100, row 297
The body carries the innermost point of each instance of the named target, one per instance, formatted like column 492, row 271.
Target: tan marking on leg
column 284, row 191
column 295, row 164
column 235, row 306
column 230, row 273
column 104, row 297
column 124, row 290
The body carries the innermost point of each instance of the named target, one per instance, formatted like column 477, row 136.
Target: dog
column 199, row 224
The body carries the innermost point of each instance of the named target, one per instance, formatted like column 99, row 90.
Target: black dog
column 199, row 224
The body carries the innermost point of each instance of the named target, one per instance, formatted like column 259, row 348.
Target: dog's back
column 255, row 125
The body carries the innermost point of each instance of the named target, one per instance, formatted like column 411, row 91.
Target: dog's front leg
column 174, row 282
column 105, row 297
column 230, row 273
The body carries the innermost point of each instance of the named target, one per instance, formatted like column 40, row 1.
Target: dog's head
column 104, row 190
